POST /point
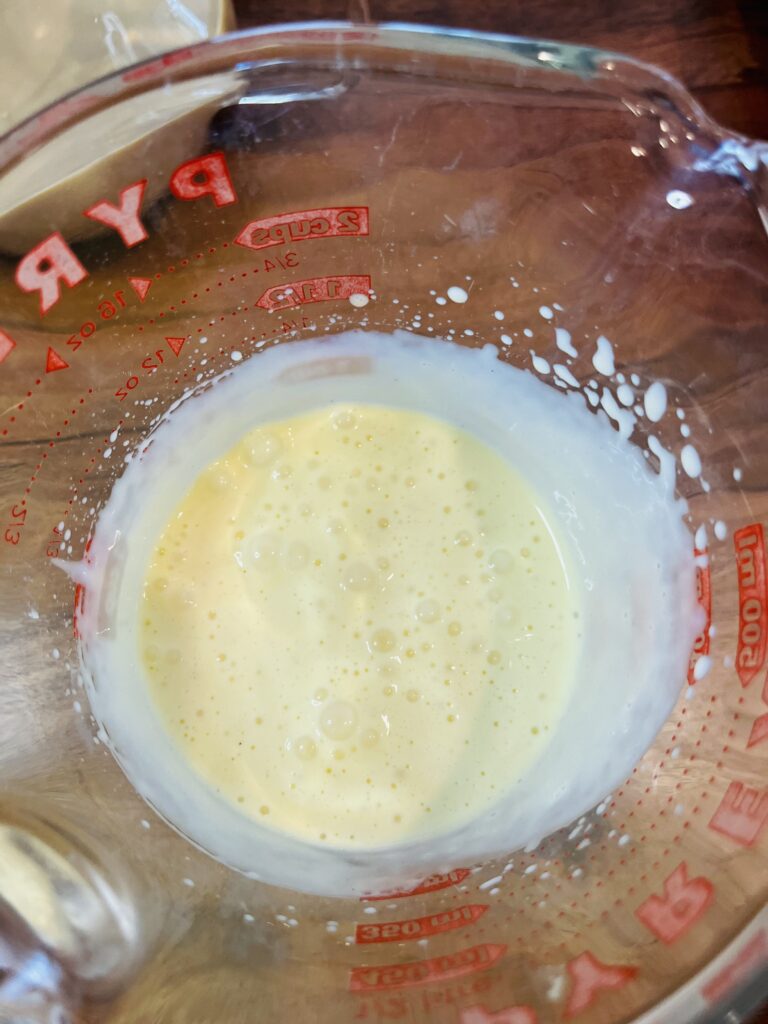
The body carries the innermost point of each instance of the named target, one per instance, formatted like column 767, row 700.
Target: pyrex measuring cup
column 347, row 178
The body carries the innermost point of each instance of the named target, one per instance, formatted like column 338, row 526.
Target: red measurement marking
column 314, row 289
column 749, row 544
column 509, row 1015
column 431, row 884
column 7, row 345
column 750, row 958
column 53, row 548
column 441, row 1000
column 79, row 608
column 175, row 344
column 16, row 519
column 759, row 731
column 420, row 927
column 149, row 364
column 589, row 977
column 742, row 813
column 330, row 222
column 684, row 901
column 141, row 286
column 424, row 972
column 54, row 362
column 704, row 597
column 159, row 64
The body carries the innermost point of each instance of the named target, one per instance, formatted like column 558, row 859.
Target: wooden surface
column 717, row 48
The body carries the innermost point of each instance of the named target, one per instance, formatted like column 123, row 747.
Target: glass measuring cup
column 563, row 188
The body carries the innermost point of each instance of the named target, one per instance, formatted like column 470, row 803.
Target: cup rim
column 585, row 62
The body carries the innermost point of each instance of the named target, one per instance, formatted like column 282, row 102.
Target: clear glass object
column 548, row 176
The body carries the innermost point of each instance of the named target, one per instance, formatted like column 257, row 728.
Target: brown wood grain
column 717, row 48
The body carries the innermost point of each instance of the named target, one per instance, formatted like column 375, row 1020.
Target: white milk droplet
column 498, row 314
column 457, row 294
column 690, row 460
column 236, row 356
column 556, row 989
column 700, row 538
column 721, row 530
column 565, row 375
column 679, row 200
column 737, row 474
column 490, row 883
column 666, row 462
column 702, row 667
column 625, row 394
column 540, row 364
column 655, row 401
column 624, row 419
column 563, row 342
column 602, row 360
column 546, row 312
column 358, row 300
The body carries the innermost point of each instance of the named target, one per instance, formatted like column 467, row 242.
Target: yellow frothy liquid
column 357, row 626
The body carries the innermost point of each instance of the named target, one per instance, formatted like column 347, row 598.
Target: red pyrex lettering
column 125, row 217
column 419, row 927
column 314, row 289
column 45, row 266
column 684, row 901
column 204, row 176
column 51, row 261
column 741, row 814
column 589, row 977
column 424, row 972
column 509, row 1015
column 431, row 884
column 749, row 545
column 329, row 222
column 704, row 597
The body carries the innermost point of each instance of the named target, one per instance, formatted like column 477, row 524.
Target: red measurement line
column 22, row 405
column 51, row 444
column 186, row 375
column 194, row 296
column 18, row 408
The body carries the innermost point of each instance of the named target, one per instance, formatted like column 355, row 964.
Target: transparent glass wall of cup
column 534, row 175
